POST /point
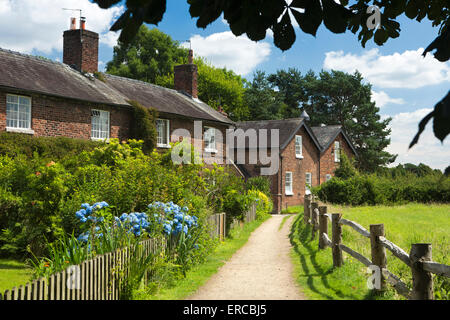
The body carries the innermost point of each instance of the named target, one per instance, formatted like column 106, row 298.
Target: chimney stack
column 81, row 47
column 186, row 77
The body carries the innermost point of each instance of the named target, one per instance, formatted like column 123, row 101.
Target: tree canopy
column 151, row 57
column 336, row 98
column 254, row 18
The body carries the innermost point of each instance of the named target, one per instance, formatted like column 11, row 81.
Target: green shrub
column 261, row 183
column 144, row 125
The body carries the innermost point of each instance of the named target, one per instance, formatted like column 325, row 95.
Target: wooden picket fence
column 218, row 223
column 419, row 259
column 101, row 278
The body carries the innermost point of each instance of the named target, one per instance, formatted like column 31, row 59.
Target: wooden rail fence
column 101, row 278
column 419, row 259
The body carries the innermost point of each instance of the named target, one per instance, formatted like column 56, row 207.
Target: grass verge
column 13, row 274
column 198, row 275
column 404, row 225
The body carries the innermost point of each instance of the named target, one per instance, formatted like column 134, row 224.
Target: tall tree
column 263, row 102
column 255, row 17
column 222, row 88
column 291, row 86
column 340, row 98
column 150, row 57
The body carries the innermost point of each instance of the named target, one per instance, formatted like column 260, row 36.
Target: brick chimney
column 186, row 76
column 81, row 48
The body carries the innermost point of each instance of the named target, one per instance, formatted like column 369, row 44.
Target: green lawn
column 404, row 225
column 197, row 276
column 13, row 274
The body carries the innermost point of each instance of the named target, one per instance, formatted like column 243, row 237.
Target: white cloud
column 381, row 99
column 399, row 70
column 224, row 49
column 38, row 25
column 429, row 150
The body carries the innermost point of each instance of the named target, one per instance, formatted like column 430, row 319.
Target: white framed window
column 209, row 136
column 308, row 183
column 288, row 184
column 298, row 147
column 18, row 113
column 163, row 130
column 328, row 177
column 100, row 125
column 337, row 152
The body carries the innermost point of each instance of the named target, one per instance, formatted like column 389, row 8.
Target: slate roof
column 321, row 136
column 36, row 75
column 327, row 134
column 287, row 129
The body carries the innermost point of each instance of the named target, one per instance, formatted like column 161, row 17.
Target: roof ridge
column 30, row 56
column 138, row 81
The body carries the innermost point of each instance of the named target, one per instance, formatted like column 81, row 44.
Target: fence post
column 378, row 252
column 323, row 226
column 336, row 239
column 314, row 222
column 306, row 208
column 422, row 280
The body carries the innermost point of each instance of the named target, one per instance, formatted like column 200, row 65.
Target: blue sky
column 405, row 86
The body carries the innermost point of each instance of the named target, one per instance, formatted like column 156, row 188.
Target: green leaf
column 283, row 33
column 381, row 36
column 441, row 123
column 412, row 9
column 335, row 16
column 310, row 20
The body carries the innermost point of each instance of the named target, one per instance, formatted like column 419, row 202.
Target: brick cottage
column 307, row 155
column 41, row 97
column 46, row 98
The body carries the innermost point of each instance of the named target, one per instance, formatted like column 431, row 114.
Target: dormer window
column 298, row 147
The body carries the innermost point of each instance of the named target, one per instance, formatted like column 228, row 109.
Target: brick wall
column 299, row 168
column 327, row 163
column 188, row 124
column 54, row 117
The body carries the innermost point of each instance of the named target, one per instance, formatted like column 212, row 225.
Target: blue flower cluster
column 176, row 218
column 86, row 213
column 135, row 222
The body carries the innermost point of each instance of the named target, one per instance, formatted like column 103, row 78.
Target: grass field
column 197, row 276
column 13, row 274
column 404, row 225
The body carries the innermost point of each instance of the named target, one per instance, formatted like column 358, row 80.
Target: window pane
column 161, row 128
column 18, row 112
column 100, row 124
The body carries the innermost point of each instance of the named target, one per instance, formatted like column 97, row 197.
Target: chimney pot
column 81, row 48
column 191, row 57
column 83, row 23
column 73, row 23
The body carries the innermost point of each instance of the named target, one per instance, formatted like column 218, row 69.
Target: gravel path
column 260, row 270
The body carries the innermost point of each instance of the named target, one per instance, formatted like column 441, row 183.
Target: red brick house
column 41, row 97
column 308, row 156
